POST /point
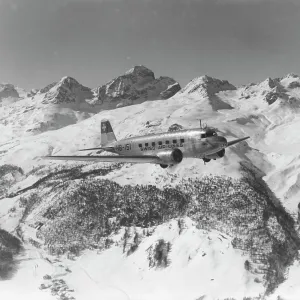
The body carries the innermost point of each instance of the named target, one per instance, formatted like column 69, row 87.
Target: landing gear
column 163, row 166
column 206, row 160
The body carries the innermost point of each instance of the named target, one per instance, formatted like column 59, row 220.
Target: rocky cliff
column 8, row 90
column 68, row 90
column 135, row 86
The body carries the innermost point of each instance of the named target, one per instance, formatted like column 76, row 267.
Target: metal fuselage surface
column 196, row 143
column 165, row 149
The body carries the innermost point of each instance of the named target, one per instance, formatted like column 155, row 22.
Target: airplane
column 165, row 149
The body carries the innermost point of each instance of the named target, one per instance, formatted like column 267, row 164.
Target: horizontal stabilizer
column 237, row 141
column 109, row 158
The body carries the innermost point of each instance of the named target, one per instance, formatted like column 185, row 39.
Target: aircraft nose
column 218, row 141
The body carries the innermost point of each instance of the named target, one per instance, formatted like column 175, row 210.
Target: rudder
column 107, row 134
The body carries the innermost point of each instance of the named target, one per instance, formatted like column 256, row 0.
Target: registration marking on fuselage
column 166, row 146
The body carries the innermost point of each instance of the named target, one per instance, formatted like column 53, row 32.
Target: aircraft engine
column 216, row 155
column 170, row 157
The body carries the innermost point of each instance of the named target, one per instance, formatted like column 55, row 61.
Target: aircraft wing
column 109, row 158
column 98, row 148
column 236, row 141
column 88, row 149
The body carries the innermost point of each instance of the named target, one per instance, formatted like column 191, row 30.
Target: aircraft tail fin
column 107, row 134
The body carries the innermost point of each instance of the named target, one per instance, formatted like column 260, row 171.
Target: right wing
column 236, row 141
column 109, row 158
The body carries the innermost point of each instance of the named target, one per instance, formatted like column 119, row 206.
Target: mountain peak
column 268, row 83
column 68, row 80
column 290, row 81
column 140, row 70
column 136, row 86
column 292, row 75
column 206, row 85
column 67, row 90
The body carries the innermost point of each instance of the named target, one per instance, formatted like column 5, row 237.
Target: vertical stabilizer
column 107, row 134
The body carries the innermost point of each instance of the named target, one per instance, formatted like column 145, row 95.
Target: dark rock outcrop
column 10, row 246
column 294, row 84
column 47, row 88
column 8, row 90
column 175, row 127
column 9, row 174
column 170, row 91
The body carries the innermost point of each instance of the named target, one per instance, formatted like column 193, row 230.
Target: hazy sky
column 94, row 41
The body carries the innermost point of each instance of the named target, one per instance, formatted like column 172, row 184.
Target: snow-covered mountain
column 135, row 86
column 67, row 102
column 227, row 229
column 67, row 90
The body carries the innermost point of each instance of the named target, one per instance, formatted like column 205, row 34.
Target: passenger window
column 181, row 141
column 153, row 144
column 167, row 142
column 160, row 143
column 140, row 145
column 146, row 145
column 174, row 141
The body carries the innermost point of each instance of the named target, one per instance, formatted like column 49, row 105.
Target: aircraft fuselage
column 192, row 143
column 165, row 149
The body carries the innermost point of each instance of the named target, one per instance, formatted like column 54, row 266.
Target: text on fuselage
column 164, row 146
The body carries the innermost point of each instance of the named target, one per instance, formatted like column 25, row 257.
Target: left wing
column 109, row 158
column 237, row 141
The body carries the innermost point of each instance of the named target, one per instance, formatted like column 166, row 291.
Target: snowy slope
column 192, row 252
column 268, row 112
column 201, row 264
column 235, row 112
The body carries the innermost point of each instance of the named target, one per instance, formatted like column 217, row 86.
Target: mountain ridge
column 243, row 207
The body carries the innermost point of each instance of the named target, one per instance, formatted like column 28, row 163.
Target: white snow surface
column 30, row 130
column 202, row 264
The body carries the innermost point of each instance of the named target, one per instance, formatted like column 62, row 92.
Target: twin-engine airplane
column 165, row 149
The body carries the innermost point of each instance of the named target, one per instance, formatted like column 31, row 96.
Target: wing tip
column 45, row 157
column 231, row 143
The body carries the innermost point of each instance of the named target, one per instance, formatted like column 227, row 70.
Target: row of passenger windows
column 160, row 143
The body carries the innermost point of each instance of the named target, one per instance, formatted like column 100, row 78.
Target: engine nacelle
column 171, row 157
column 216, row 155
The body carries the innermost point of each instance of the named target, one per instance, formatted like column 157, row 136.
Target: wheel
column 206, row 159
column 164, row 166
